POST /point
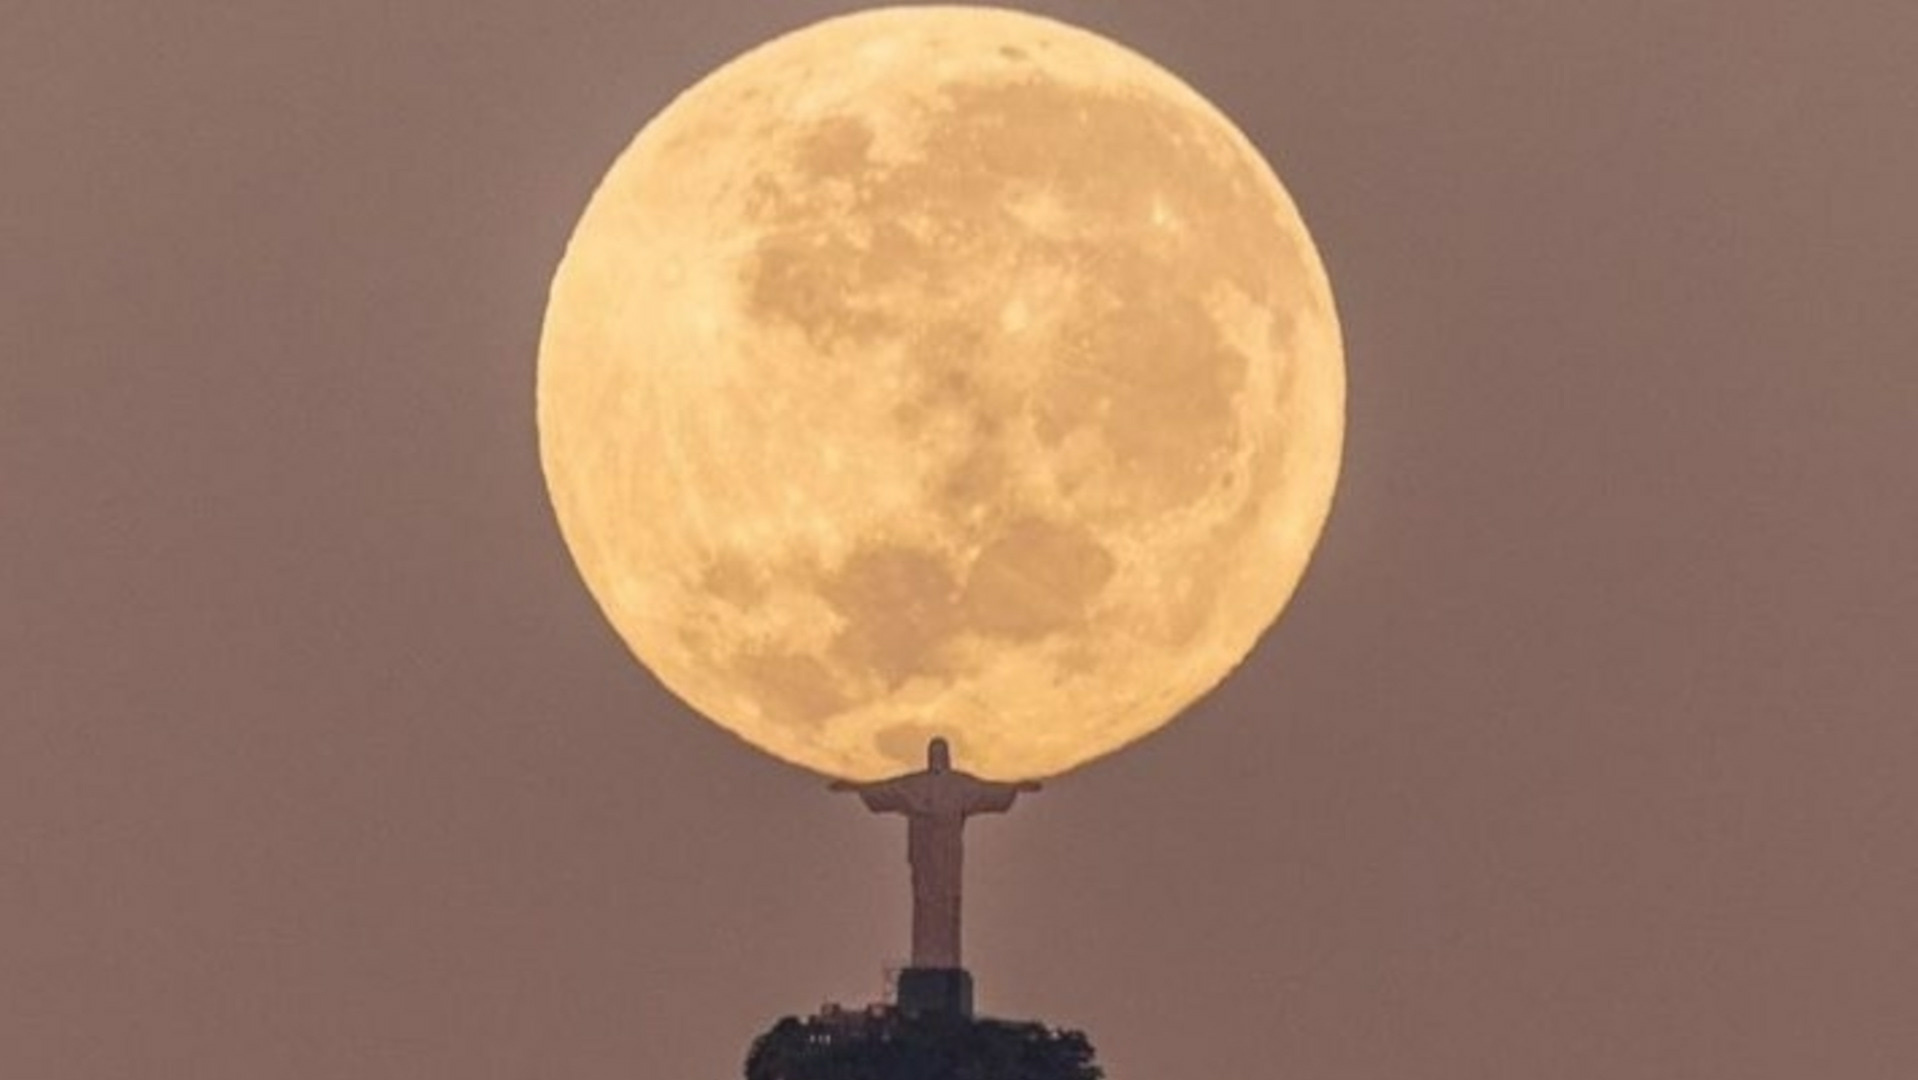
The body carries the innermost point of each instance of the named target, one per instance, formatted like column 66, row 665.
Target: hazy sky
column 1587, row 751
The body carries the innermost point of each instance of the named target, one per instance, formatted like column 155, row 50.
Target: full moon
column 941, row 371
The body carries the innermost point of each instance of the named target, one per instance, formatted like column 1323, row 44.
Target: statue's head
column 939, row 756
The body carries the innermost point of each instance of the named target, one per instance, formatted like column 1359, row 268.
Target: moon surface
column 941, row 371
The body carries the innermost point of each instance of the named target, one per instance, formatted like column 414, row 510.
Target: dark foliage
column 890, row 1046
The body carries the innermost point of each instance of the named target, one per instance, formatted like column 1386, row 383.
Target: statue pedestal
column 936, row 991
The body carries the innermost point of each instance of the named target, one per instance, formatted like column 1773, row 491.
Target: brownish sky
column 1588, row 751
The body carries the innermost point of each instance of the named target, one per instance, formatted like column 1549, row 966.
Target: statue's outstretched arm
column 880, row 797
column 988, row 797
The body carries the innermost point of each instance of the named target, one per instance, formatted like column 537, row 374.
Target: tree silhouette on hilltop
column 888, row 1045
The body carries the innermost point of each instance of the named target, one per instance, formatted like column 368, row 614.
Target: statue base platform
column 935, row 991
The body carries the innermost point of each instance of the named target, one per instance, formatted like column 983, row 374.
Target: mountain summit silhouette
column 883, row 1043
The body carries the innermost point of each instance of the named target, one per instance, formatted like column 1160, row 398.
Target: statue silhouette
column 936, row 803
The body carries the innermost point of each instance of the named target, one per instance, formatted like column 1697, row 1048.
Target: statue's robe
column 936, row 804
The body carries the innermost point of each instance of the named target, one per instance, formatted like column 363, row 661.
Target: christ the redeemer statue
column 936, row 803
